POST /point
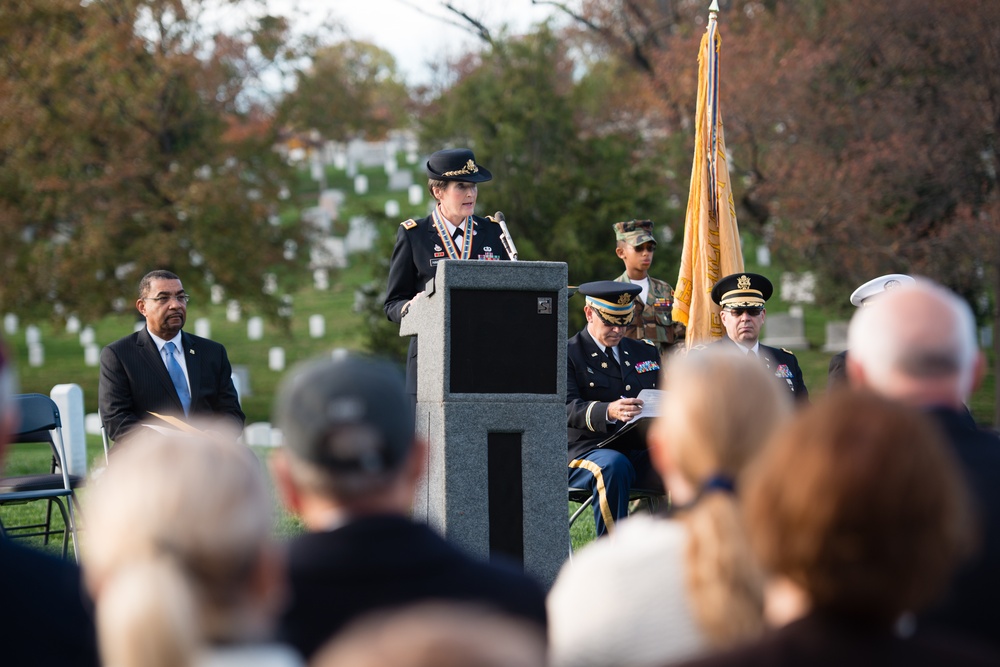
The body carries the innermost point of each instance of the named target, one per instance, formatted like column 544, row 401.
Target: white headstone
column 139, row 325
column 415, row 193
column 411, row 157
column 276, row 359
column 360, row 184
column 836, row 336
column 73, row 324
column 763, row 255
column 786, row 330
column 87, row 336
column 36, row 355
column 257, row 434
column 321, row 279
column 340, row 161
column 218, row 294
column 270, row 283
column 233, row 312
column 285, row 309
column 361, row 235
column 10, row 323
column 92, row 423
column 203, row 327
column 317, row 326
column 798, row 287
column 390, row 166
column 241, row 380
column 32, row 335
column 392, row 209
column 69, row 399
column 401, row 180
column 329, row 252
column 316, row 170
column 255, row 328
column 91, row 355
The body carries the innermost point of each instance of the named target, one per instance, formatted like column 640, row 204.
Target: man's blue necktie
column 177, row 376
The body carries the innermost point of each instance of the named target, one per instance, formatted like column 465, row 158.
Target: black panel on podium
column 501, row 342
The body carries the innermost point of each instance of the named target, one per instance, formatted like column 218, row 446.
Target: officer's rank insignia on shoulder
column 408, row 224
column 648, row 341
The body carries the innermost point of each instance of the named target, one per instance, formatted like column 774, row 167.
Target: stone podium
column 491, row 403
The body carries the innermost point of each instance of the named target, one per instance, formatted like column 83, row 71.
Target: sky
column 408, row 29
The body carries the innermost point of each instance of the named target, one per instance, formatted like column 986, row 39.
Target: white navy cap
column 878, row 285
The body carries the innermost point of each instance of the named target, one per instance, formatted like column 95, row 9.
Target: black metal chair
column 40, row 423
column 648, row 498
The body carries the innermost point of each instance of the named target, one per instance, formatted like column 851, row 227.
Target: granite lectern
column 491, row 402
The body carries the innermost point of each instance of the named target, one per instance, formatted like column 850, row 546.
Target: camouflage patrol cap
column 634, row 232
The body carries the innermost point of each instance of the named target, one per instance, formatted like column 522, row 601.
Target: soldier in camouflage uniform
column 653, row 307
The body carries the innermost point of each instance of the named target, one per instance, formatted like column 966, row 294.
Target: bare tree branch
column 477, row 26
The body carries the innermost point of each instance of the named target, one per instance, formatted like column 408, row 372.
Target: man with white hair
column 917, row 344
column 865, row 295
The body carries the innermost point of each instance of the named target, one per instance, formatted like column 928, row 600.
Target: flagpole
column 711, row 247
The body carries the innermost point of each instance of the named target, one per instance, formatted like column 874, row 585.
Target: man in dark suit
column 349, row 467
column 451, row 231
column 917, row 344
column 45, row 617
column 742, row 297
column 604, row 374
column 162, row 369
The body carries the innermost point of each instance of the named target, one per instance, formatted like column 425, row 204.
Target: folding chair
column 649, row 498
column 39, row 423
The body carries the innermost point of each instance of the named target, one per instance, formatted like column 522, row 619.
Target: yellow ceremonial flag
column 711, row 235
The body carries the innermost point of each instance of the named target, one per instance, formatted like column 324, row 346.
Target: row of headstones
column 202, row 327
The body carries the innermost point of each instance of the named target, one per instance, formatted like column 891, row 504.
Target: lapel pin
column 191, row 351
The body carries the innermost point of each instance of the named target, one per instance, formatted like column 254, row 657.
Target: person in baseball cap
column 635, row 245
column 348, row 467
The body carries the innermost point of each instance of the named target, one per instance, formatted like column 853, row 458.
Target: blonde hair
column 721, row 408
column 176, row 527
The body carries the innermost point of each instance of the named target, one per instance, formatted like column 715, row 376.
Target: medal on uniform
column 448, row 242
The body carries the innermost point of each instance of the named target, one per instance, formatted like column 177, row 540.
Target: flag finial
column 714, row 7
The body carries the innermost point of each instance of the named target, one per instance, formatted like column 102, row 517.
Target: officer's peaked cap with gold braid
column 614, row 302
column 742, row 290
column 457, row 164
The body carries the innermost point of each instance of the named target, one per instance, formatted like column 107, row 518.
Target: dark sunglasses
column 752, row 311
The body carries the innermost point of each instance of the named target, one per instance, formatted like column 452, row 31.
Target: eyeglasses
column 183, row 298
column 752, row 311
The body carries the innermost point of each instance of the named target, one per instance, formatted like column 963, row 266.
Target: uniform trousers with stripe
column 611, row 474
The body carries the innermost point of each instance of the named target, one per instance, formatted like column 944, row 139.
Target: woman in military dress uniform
column 451, row 231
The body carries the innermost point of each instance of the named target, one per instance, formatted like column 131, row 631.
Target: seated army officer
column 742, row 297
column 605, row 373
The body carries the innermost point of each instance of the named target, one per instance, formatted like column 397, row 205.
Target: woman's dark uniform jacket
column 414, row 262
column 590, row 387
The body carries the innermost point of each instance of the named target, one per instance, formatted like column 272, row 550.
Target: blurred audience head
column 718, row 411
column 436, row 635
column 859, row 507
column 916, row 343
column 348, row 438
column 178, row 551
